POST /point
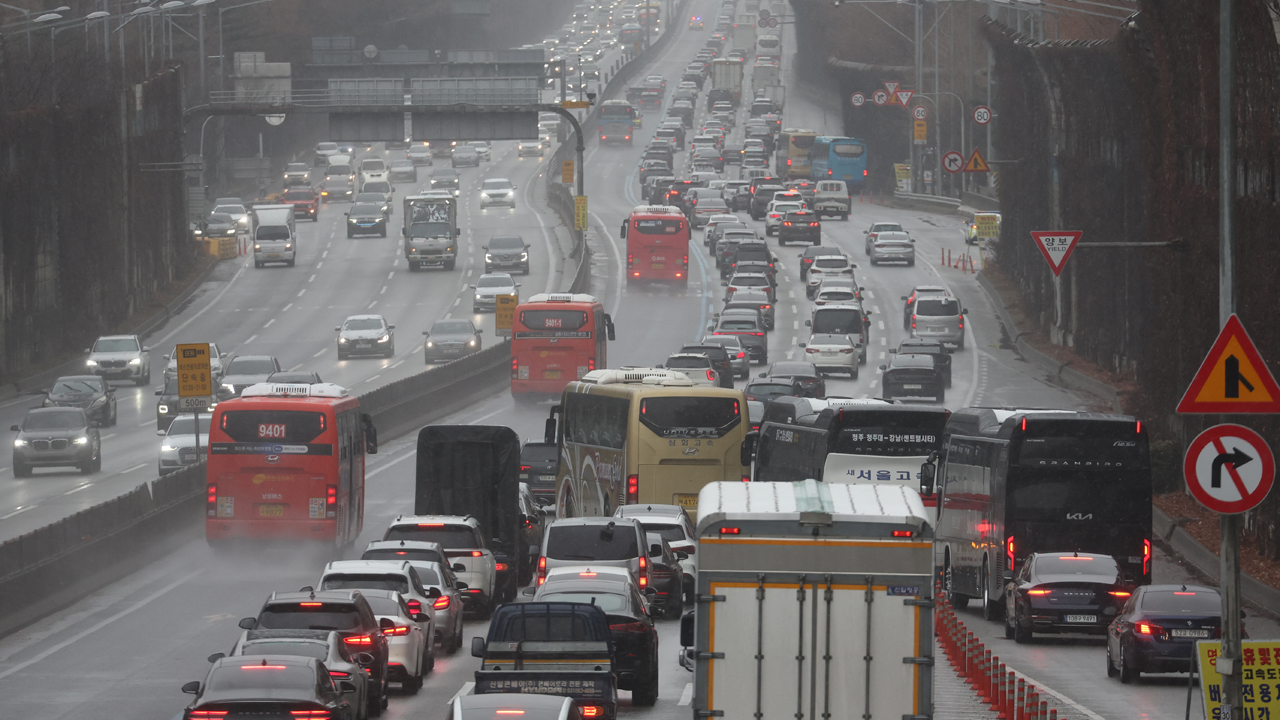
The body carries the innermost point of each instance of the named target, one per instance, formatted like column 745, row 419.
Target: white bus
column 769, row 46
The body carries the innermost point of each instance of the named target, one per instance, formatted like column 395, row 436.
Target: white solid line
column 108, row 436
column 152, row 421
column 88, row 631
column 20, row 509
column 371, row 379
column 251, row 339
column 85, row 486
column 269, row 322
column 1084, row 710
column 300, row 292
column 325, row 350
column 129, row 470
column 204, row 309
column 482, row 418
column 686, row 697
column 466, row 689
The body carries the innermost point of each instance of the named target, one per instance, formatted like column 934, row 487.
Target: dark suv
column 939, row 351
column 539, row 462
column 800, row 226
column 719, row 361
column 912, row 375
column 347, row 612
column 760, row 199
column 506, row 253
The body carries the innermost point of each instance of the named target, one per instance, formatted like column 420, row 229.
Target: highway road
column 126, row 650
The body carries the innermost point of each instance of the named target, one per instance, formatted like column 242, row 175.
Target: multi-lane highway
column 126, row 650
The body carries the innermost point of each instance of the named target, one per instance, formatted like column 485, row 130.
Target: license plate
column 912, row 387
column 273, row 255
column 1189, row 633
column 551, row 374
column 686, row 500
column 362, row 344
column 656, row 266
column 1082, row 618
column 271, row 511
column 547, row 478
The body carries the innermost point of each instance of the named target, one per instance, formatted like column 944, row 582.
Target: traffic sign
column 575, row 104
column 977, row 163
column 1056, row 247
column 880, row 97
column 762, row 22
column 195, row 378
column 765, row 14
column 858, row 99
column 920, row 112
column 1229, row 469
column 504, row 312
column 891, row 87
column 982, row 114
column 904, row 96
column 952, row 161
column 921, row 132
column 1233, row 377
column 193, row 404
column 566, row 172
column 580, row 212
column 773, row 22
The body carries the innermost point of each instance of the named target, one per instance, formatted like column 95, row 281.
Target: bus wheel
column 956, row 600
column 990, row 608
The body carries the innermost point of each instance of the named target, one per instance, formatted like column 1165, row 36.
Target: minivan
column 602, row 541
column 849, row 319
column 940, row 318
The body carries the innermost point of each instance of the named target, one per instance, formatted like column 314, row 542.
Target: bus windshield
column 657, row 226
column 691, row 417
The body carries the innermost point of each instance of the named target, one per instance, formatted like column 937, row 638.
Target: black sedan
column 940, row 352
column 1064, row 593
column 1158, row 628
column 270, row 685
column 451, row 339
column 810, row 380
column 539, row 463
column 667, row 574
column 90, row 393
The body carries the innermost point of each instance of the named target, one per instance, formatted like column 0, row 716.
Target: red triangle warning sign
column 1056, row 247
column 977, row 163
column 904, row 96
column 1233, row 377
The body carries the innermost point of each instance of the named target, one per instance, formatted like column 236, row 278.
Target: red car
column 305, row 202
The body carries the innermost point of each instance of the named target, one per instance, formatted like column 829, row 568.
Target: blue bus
column 839, row 158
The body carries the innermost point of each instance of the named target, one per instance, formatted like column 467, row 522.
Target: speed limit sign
column 982, row 114
column 858, row 99
column 919, row 112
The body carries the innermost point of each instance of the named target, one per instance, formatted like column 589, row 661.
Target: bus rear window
column 553, row 319
column 848, row 150
column 694, row 417
column 655, row 226
column 1073, row 444
column 284, row 426
column 804, row 142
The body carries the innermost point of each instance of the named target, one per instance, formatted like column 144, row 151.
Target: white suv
column 397, row 575
column 463, row 542
column 826, row 266
column 672, row 522
column 697, row 366
column 120, row 357
column 777, row 210
column 596, row 541
column 373, row 170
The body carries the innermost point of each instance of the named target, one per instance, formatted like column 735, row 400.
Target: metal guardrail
column 380, row 97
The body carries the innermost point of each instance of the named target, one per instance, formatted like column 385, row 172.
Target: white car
column 497, row 191
column 120, row 357
column 215, row 362
column 419, row 155
column 823, row 267
column 373, row 170
column 398, row 575
column 698, row 367
column 489, row 287
column 529, row 147
column 429, row 560
column 833, row 353
column 237, row 212
column 472, row 562
column 180, row 446
column 774, row 214
column 482, row 148
column 411, row 653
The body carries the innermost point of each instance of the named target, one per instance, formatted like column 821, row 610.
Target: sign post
column 195, row 382
column 504, row 313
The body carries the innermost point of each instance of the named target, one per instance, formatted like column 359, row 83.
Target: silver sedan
column 833, row 353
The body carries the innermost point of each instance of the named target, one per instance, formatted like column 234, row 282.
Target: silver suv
column 597, row 541
column 939, row 318
column 120, row 357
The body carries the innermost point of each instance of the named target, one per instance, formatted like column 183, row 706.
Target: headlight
column 288, row 246
column 472, row 343
column 19, row 442
column 478, row 297
column 162, row 409
column 82, row 440
column 199, row 232
column 244, row 220
column 342, row 341
column 136, row 361
column 430, row 344
column 488, row 257
column 384, row 338
column 232, row 231
column 524, row 256
column 256, row 246
column 351, row 220
column 166, row 447
column 91, row 363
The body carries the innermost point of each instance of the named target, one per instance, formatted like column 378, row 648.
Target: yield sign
column 1229, row 469
column 952, row 161
column 891, row 87
column 1233, row 377
column 977, row 163
column 1056, row 247
column 904, row 96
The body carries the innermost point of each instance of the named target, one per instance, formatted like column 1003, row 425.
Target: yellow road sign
column 575, row 104
column 566, row 172
column 1258, row 669
column 1233, row 377
column 580, row 212
column 988, row 224
column 195, row 378
column 505, row 313
column 921, row 132
column 976, row 163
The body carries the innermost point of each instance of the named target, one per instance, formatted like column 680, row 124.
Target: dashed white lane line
column 313, row 277
column 456, row 301
column 324, row 254
column 881, row 324
column 126, row 471
column 686, row 697
column 302, row 292
column 375, row 302
column 73, row 491
column 390, row 275
column 296, row 367
column 251, row 339
column 269, row 323
column 395, row 364
column 383, row 291
column 323, row 351
column 20, row 509
column 286, row 307
column 108, row 436
column 152, row 421
column 869, row 294
column 372, row 378
column 795, row 324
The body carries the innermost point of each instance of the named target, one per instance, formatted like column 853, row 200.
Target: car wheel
column 384, row 233
column 413, row 685
column 911, row 263
column 1127, row 674
column 21, row 469
column 844, row 216
column 1111, row 666
column 289, row 264
column 375, row 702
column 853, row 373
column 115, row 416
column 474, row 309
column 350, row 234
column 647, row 695
column 1021, row 635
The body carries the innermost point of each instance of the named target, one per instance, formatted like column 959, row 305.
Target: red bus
column 286, row 462
column 657, row 244
column 556, row 337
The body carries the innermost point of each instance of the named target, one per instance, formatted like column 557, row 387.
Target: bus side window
column 344, row 433
column 357, row 447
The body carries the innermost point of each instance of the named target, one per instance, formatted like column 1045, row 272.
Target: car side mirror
column 529, row 592
column 477, row 647
column 420, row 617
column 337, row 329
column 650, row 593
column 146, row 349
column 883, row 368
column 964, row 311
column 808, row 323
column 248, row 623
column 87, row 351
column 904, row 298
column 480, row 331
column 192, row 688
column 216, row 657
column 15, row 428
column 425, row 333
column 458, row 567
column 519, row 284
column 161, row 433
column 434, row 592
column 655, row 550
column 682, row 556
column 457, row 232
column 461, row 585
column 391, row 327
column 386, row 624
column 802, row 345
column 893, row 351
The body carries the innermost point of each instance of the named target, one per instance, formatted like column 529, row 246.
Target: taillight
column 788, row 162
column 644, row 571
column 1146, row 556
column 441, row 603
column 592, row 711
column 864, row 173
column 711, row 375
column 526, row 468
column 591, row 364
column 477, row 553
column 1149, row 629
column 913, row 322
column 339, row 674
column 741, row 355
column 634, row 627
column 331, row 500
column 686, row 261
column 1120, row 593
column 813, row 224
column 630, row 259
column 830, row 172
column 1008, row 551
column 211, row 500
column 903, row 533
column 811, row 350
column 208, row 713
column 501, row 567
column 1039, row 592
column 359, row 640
column 542, row 570
column 633, row 489
column 397, row 630
column 414, row 606
column 514, row 368
column 310, row 714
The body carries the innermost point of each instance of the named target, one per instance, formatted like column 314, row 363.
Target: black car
column 539, row 463
column 347, row 612
column 1064, row 592
column 666, row 576
column 811, row 382
column 1157, row 629
column 760, row 199
column 50, row 437
column 444, row 179
column 654, row 168
column 914, row 376
column 270, row 685
column 719, row 361
column 366, row 219
column 940, row 352
column 506, row 252
column 800, row 226
column 167, row 402
column 716, row 231
column 763, row 391
column 90, row 393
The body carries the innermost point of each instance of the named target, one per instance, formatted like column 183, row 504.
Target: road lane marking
column 795, row 324
column 85, row 486
column 302, row 292
column 383, row 291
column 21, row 509
column 313, row 277
column 375, row 302
column 295, row 367
column 152, row 421
column 269, row 323
column 869, row 294
column 108, row 436
column 323, row 351
column 371, row 379
column 391, row 275
column 129, row 470
column 286, row 307
column 395, row 364
column 251, row 339
column 212, row 303
column 881, row 324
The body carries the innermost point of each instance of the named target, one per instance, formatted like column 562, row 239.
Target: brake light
column 1008, row 551
column 686, row 261
column 630, row 259
column 208, row 713
column 501, row 567
column 711, row 375
column 903, row 533
column 331, row 498
column 431, row 525
column 787, row 223
column 788, row 162
column 339, row 674
column 526, row 468
column 509, row 712
column 397, row 630
column 1120, row 593
column 477, row 553
column 592, row 711
column 587, row 574
column 211, row 501
column 591, row 364
column 811, row 350
column 1184, row 593
column 633, row 627
column 913, row 327
column 1150, row 628
column 310, row 604
column 730, row 531
column 514, row 368
column 741, row 355
column 414, row 606
column 1039, row 592
column 846, row 351
column 633, row 489
column 1146, row 556
column 830, row 172
column 361, row 640
column 311, row 714
column 864, row 173
column 542, row 570
column 644, row 571
column 441, row 603
column 813, row 224
column 1024, row 420
column 263, row 667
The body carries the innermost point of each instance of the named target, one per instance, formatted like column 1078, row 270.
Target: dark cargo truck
column 550, row 648
column 475, row 470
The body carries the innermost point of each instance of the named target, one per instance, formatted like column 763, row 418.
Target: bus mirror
column 927, row 471
column 686, row 630
column 549, row 431
column 623, row 231
column 608, row 327
column 370, row 434
column 748, row 450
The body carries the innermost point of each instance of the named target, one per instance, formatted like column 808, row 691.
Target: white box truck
column 814, row 602
column 274, row 238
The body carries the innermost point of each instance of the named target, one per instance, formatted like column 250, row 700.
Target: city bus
column 286, row 462
column 657, row 244
column 1013, row 482
column 644, row 435
column 793, row 152
column 556, row 337
column 839, row 158
column 862, row 441
column 617, row 122
column 631, row 34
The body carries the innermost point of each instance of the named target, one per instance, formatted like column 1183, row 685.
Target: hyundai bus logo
column 690, row 451
column 272, row 459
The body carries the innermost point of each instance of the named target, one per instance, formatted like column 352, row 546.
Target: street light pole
column 27, row 32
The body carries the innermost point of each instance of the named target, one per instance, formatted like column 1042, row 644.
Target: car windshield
column 373, row 164
column 273, row 232
column 835, row 295
column 274, row 678
column 785, row 207
column 509, row 242
column 838, row 321
column 381, row 187
column 383, row 605
column 186, row 425
column 449, row 536
column 738, row 325
column 1078, row 566
column 251, row 366
column 830, row 263
column 1197, row 602
column 327, row 146
column 750, row 281
column 368, row 197
column 938, row 307
column 366, row 210
column 66, row 420
column 670, row 533
column 785, row 369
column 230, row 209
column 304, row 195
column 766, row 391
column 115, row 345
column 399, row 583
column 608, row 602
column 298, row 378
column 487, row 282
column 297, row 616
column 363, row 324
column 496, row 185
column 276, row 647
column 452, row 327
column 592, row 542
column 225, row 219
column 72, row 387
column 692, row 416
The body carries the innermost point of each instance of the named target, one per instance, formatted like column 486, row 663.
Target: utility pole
column 917, row 157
